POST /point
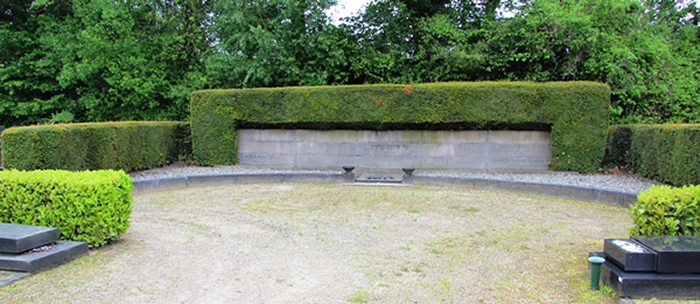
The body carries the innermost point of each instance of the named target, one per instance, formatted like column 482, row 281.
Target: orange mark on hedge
column 408, row 89
column 380, row 101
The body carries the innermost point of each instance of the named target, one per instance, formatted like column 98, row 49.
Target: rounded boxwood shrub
column 667, row 211
column 88, row 206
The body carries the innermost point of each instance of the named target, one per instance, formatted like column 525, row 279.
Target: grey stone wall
column 476, row 150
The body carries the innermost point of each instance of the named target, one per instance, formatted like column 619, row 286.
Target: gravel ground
column 330, row 243
column 623, row 183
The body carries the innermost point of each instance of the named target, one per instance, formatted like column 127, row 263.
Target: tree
column 262, row 43
column 29, row 90
column 625, row 44
column 94, row 60
column 134, row 59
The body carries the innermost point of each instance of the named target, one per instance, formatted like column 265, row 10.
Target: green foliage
column 100, row 60
column 92, row 207
column 621, row 43
column 127, row 146
column 667, row 211
column 665, row 153
column 276, row 43
column 140, row 59
column 618, row 146
column 576, row 112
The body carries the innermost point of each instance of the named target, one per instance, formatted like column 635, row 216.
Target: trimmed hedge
column 667, row 211
column 88, row 206
column 575, row 112
column 665, row 153
column 124, row 146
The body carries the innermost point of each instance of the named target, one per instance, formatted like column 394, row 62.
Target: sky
column 347, row 8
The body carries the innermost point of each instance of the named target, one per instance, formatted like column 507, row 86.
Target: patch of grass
column 470, row 209
column 414, row 211
column 442, row 287
column 416, row 267
column 361, row 296
column 606, row 290
column 442, row 245
column 10, row 289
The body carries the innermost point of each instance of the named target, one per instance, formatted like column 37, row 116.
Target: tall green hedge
column 576, row 112
column 666, row 153
column 89, row 206
column 92, row 146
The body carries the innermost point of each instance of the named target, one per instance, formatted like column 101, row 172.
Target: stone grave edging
column 610, row 197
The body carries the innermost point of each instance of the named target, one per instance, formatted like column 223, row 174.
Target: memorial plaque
column 674, row 254
column 630, row 255
column 16, row 238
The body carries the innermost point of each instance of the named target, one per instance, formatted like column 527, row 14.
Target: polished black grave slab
column 630, row 255
column 15, row 238
column 650, row 284
column 674, row 254
column 42, row 256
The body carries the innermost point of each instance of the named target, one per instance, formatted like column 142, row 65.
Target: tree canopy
column 97, row 60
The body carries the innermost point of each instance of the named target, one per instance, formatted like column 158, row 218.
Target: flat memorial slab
column 15, row 238
column 674, row 254
column 379, row 177
column 43, row 256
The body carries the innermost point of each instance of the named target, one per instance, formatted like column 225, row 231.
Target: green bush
column 88, row 206
column 618, row 146
column 575, row 112
column 667, row 211
column 124, row 146
column 665, row 153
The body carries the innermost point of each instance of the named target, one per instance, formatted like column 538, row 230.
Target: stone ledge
column 32, row 261
column 615, row 198
column 620, row 199
column 149, row 185
column 650, row 285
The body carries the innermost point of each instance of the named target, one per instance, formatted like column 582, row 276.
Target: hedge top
column 98, row 177
column 576, row 112
column 113, row 124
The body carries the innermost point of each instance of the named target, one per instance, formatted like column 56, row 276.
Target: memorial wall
column 475, row 150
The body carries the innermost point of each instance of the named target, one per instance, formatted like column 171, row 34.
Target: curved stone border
column 615, row 198
column 149, row 185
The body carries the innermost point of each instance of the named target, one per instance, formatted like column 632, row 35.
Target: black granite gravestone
column 675, row 254
column 630, row 255
column 653, row 266
column 16, row 238
column 28, row 248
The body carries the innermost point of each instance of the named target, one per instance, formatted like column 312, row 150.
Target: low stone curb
column 615, row 198
column 149, row 185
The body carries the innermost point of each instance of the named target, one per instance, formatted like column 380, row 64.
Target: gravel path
column 623, row 183
column 330, row 243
